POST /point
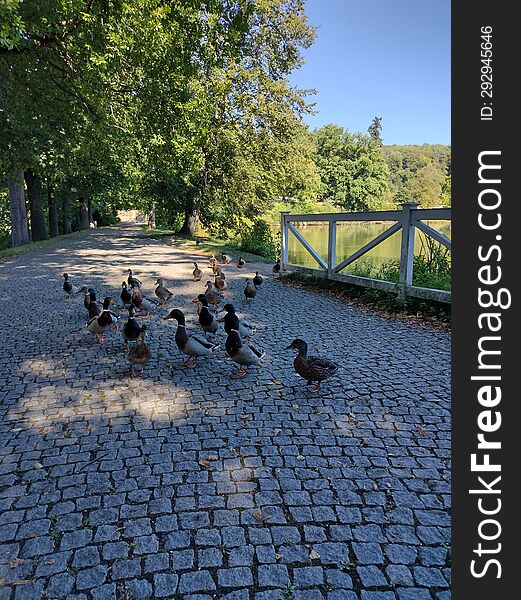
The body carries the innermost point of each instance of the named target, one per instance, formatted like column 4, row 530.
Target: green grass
column 207, row 244
column 12, row 251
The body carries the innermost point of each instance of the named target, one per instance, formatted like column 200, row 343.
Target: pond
column 349, row 238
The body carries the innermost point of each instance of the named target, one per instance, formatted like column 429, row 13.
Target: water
column 349, row 238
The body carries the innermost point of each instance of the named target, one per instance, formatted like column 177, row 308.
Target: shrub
column 258, row 239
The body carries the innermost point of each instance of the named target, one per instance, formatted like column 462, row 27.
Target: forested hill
column 419, row 173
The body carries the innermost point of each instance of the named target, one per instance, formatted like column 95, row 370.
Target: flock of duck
column 238, row 344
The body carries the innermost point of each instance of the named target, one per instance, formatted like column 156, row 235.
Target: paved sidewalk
column 196, row 484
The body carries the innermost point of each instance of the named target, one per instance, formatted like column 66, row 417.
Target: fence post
column 331, row 248
column 283, row 239
column 407, row 249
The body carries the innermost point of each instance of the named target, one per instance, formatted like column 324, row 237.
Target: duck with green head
column 243, row 354
column 190, row 345
column 231, row 321
column 207, row 321
column 131, row 329
column 311, row 368
column 101, row 323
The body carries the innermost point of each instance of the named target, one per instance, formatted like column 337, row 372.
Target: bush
column 258, row 239
column 104, row 215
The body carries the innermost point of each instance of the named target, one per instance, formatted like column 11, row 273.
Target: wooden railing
column 408, row 220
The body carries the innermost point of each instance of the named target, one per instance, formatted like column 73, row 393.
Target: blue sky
column 389, row 58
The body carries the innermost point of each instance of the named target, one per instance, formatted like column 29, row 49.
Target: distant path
column 197, row 484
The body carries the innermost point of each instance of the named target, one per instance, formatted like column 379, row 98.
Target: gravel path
column 196, row 484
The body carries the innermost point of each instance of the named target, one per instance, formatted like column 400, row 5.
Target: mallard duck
column 93, row 306
column 103, row 321
column 140, row 302
column 231, row 321
column 225, row 259
column 220, row 282
column 240, row 262
column 131, row 329
column 197, row 273
column 243, row 354
column 131, row 280
column 214, row 297
column 250, row 291
column 207, row 321
column 213, row 261
column 276, row 269
column 311, row 368
column 140, row 353
column 86, row 298
column 162, row 292
column 126, row 294
column 189, row 344
column 70, row 289
column 257, row 280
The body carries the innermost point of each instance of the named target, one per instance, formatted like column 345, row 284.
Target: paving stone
column 165, row 584
column 346, row 472
column 60, row 585
column 197, row 581
column 273, row 576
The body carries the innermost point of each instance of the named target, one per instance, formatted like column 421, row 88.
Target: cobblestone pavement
column 198, row 484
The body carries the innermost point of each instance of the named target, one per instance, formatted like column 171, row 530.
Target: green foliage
column 419, row 173
column 258, row 239
column 352, row 169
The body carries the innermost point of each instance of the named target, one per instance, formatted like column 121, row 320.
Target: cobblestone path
column 196, row 484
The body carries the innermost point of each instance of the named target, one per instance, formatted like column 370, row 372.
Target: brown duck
column 197, row 273
column 249, row 290
column 311, row 368
column 140, row 353
column 162, row 292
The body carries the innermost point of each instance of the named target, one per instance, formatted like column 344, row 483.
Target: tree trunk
column 84, row 213
column 19, row 223
column 192, row 211
column 191, row 217
column 53, row 212
column 152, row 216
column 66, row 213
column 34, row 192
column 89, row 208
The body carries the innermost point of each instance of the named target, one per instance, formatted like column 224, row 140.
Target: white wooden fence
column 408, row 219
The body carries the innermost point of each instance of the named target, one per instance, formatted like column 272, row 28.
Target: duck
column 140, row 353
column 225, row 259
column 101, row 323
column 131, row 329
column 231, row 321
column 213, row 296
column 190, row 345
column 126, row 294
column 197, row 273
column 71, row 289
column 311, row 368
column 93, row 306
column 131, row 280
column 250, row 291
column 140, row 302
column 207, row 321
column 240, row 263
column 243, row 354
column 257, row 280
column 162, row 292
column 86, row 298
column 213, row 261
column 220, row 282
column 276, row 269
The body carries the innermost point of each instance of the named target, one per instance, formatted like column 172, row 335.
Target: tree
column 374, row 130
column 18, row 209
column 352, row 169
column 36, row 203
